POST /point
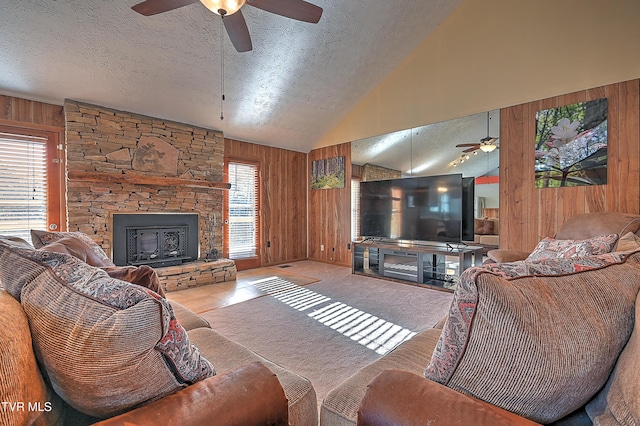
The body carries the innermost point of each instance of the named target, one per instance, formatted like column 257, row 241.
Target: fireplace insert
column 162, row 239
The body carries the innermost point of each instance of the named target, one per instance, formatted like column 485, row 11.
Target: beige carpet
column 328, row 330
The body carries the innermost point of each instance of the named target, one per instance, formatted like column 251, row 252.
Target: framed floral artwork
column 571, row 145
column 328, row 173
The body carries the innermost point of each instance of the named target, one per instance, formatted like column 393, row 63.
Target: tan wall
column 492, row 54
column 283, row 199
column 530, row 214
column 106, row 141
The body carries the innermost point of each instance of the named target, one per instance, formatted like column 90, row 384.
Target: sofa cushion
column 188, row 319
column 228, row 355
column 340, row 406
column 142, row 275
column 483, row 227
column 76, row 247
column 97, row 258
column 541, row 344
column 21, row 380
column 15, row 270
column 125, row 344
column 552, row 248
column 619, row 402
column 15, row 241
column 628, row 242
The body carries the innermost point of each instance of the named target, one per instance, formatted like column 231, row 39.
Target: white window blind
column 243, row 210
column 23, row 184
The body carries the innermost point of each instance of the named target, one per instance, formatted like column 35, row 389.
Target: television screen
column 423, row 208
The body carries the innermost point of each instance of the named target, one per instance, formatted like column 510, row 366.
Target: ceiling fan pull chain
column 222, row 68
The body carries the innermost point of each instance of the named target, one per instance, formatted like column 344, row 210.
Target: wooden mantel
column 141, row 179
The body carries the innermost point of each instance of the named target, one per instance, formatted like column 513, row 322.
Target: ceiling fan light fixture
column 223, row 7
column 487, row 147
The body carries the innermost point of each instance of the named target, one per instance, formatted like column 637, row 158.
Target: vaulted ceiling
column 299, row 80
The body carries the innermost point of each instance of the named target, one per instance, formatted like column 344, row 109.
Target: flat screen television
column 428, row 208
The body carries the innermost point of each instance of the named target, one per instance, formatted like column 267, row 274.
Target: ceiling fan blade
column 153, row 7
column 238, row 32
column 294, row 9
column 467, row 144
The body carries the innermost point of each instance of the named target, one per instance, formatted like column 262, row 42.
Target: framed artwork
column 328, row 173
column 571, row 145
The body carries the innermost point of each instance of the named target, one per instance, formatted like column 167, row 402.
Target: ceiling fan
column 486, row 144
column 232, row 16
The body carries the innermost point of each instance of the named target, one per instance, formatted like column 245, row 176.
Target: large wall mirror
column 435, row 149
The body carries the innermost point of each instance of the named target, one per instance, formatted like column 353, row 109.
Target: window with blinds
column 243, row 210
column 23, row 184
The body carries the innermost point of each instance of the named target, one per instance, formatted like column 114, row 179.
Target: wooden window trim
column 56, row 167
column 248, row 262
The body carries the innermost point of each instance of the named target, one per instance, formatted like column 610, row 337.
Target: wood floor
column 213, row 296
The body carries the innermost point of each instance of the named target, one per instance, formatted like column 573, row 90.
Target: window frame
column 244, row 262
column 56, row 167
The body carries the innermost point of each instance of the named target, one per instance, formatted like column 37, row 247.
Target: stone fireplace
column 120, row 163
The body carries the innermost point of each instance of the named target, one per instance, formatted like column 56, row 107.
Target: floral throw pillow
column 550, row 248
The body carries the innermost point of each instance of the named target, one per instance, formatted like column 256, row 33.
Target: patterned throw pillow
column 551, row 248
column 539, row 345
column 106, row 345
column 42, row 238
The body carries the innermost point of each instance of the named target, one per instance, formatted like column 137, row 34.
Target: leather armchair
column 580, row 227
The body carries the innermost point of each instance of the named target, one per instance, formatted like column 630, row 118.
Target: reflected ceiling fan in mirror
column 233, row 19
column 486, row 144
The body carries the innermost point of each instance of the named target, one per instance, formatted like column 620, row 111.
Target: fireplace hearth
column 157, row 240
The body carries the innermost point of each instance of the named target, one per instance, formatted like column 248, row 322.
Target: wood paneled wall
column 22, row 110
column 283, row 177
column 529, row 214
column 330, row 212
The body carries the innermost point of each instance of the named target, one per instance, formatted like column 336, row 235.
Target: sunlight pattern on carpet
column 368, row 330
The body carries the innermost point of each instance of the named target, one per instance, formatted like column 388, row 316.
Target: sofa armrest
column 249, row 395
column 402, row 398
column 506, row 255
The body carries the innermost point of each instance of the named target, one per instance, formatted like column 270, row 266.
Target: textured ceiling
column 296, row 84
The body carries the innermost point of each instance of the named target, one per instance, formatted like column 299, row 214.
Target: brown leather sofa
column 247, row 389
column 394, row 390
